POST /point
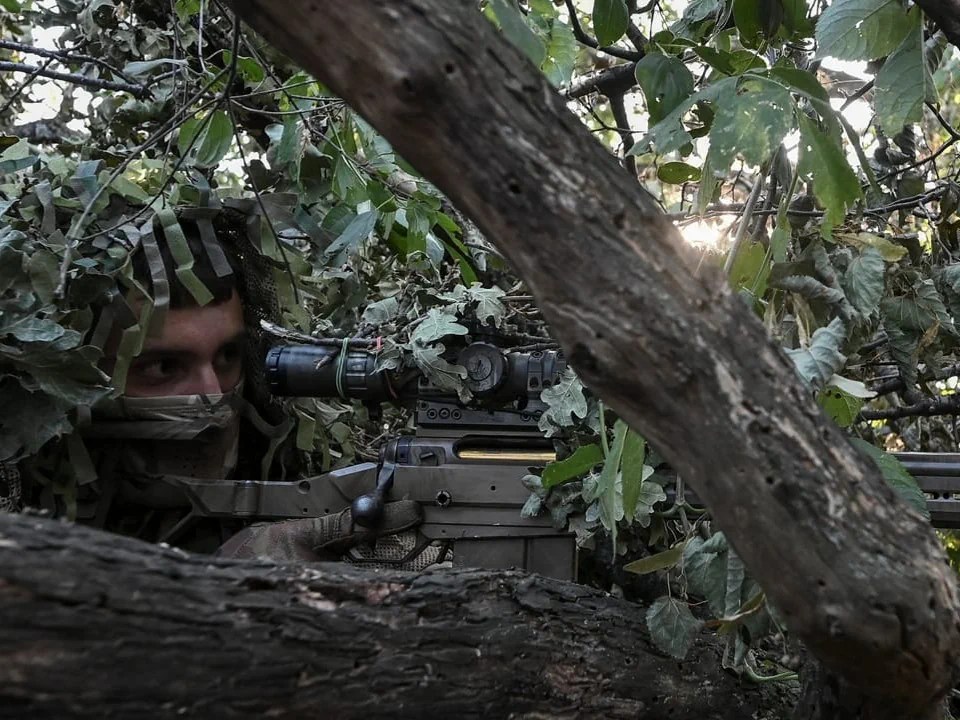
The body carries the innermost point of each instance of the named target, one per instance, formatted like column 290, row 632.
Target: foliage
column 843, row 232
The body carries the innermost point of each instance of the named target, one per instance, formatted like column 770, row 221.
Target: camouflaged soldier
column 185, row 413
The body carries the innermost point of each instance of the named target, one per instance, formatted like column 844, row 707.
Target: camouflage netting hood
column 63, row 301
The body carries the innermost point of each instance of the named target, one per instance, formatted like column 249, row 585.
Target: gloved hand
column 316, row 539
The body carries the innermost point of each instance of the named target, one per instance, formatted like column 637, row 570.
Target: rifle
column 464, row 463
column 938, row 475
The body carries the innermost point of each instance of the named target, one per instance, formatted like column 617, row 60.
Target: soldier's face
column 199, row 351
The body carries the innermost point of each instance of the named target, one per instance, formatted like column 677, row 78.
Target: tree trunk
column 97, row 626
column 858, row 577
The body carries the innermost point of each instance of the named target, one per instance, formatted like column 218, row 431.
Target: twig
column 580, row 35
column 927, row 407
column 294, row 336
column 63, row 56
column 75, row 79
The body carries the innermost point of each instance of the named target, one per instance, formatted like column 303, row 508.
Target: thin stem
column 75, row 79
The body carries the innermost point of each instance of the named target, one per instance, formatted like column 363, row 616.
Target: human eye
column 157, row 369
column 229, row 356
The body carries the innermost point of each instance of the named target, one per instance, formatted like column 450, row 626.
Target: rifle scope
column 322, row 371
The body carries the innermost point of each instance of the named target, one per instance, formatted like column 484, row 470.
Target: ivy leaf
column 863, row 281
column 380, row 312
column 563, row 399
column 650, row 494
column 443, row 374
column 437, row 324
column 673, row 628
column 823, row 163
column 861, row 29
column 39, row 418
column 818, row 363
column 705, row 567
column 904, row 82
column 488, row 303
column 610, row 20
column 665, row 82
column 584, row 458
column 143, row 67
column 895, row 475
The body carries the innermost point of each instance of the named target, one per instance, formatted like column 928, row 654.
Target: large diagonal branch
column 857, row 575
column 946, row 15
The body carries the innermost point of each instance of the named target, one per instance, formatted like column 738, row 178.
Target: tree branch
column 96, row 625
column 580, row 35
column 927, row 407
column 74, row 78
column 946, row 15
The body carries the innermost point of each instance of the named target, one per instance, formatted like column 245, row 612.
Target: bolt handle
column 367, row 510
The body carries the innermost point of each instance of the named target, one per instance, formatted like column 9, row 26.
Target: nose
column 208, row 382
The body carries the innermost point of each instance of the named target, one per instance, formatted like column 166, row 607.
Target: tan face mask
column 156, row 440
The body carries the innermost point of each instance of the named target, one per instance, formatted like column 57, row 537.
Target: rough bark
column 98, row 626
column 858, row 576
column 946, row 15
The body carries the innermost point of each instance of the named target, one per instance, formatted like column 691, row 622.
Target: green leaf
column 918, row 311
column 650, row 494
column 818, row 363
column 633, row 472
column 863, row 281
column 752, row 122
column 516, row 30
column 895, row 475
column 610, row 20
column 665, row 82
column 249, row 69
column 216, row 141
column 822, row 161
column 660, row 561
column 564, row 399
column 39, row 419
column 861, row 29
column 705, row 567
column 890, row 251
column 380, row 312
column 673, row 628
column 677, row 173
column 583, row 459
column 606, row 490
column 669, row 134
column 561, row 55
column 841, row 406
column 904, row 82
column 488, row 305
column 750, row 268
column 16, row 157
column 436, row 325
column 352, row 238
column 443, row 374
